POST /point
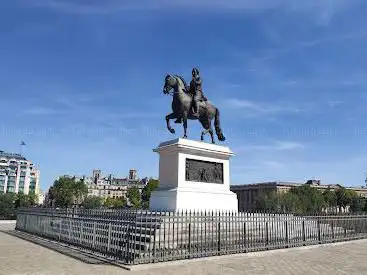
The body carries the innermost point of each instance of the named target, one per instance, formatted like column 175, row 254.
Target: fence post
column 154, row 245
column 25, row 222
column 267, row 235
column 219, row 236
column 286, row 233
column 60, row 222
column 332, row 230
column 109, row 236
column 303, row 233
column 94, row 234
column 81, row 232
column 345, row 232
column 69, row 229
column 190, row 238
column 245, row 237
column 318, row 231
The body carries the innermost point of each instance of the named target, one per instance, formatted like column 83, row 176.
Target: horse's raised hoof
column 172, row 131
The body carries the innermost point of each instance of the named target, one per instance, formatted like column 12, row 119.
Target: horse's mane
column 183, row 80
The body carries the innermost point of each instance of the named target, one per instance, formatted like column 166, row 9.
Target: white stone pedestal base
column 185, row 199
column 175, row 193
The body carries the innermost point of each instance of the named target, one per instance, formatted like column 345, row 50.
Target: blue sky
column 81, row 83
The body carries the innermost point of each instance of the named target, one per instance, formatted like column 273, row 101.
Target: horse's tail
column 218, row 130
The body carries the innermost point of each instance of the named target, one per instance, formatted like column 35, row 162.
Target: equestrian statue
column 189, row 102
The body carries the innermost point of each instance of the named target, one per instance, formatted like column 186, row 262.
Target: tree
column 33, row 198
column 23, row 200
column 115, row 202
column 7, row 205
column 344, row 197
column 310, row 199
column 301, row 200
column 92, row 202
column 120, row 203
column 67, row 192
column 147, row 191
column 357, row 204
column 134, row 197
column 80, row 191
column 330, row 198
column 268, row 202
column 290, row 202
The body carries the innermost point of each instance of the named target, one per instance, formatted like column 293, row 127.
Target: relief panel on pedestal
column 204, row 171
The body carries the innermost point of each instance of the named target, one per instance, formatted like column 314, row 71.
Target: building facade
column 249, row 194
column 17, row 174
column 110, row 186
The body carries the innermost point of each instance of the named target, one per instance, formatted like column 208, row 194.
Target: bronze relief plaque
column 204, row 171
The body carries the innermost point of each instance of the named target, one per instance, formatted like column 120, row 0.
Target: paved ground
column 18, row 257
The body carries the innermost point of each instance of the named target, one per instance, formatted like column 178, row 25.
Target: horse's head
column 169, row 83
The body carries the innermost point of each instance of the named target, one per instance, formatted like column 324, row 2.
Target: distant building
column 110, row 186
column 249, row 194
column 133, row 174
column 17, row 174
column 41, row 198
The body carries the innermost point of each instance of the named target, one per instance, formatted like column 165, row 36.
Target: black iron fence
column 135, row 237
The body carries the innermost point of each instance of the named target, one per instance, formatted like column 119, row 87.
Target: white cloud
column 39, row 111
column 275, row 146
column 323, row 9
column 274, row 164
column 257, row 63
column 257, row 108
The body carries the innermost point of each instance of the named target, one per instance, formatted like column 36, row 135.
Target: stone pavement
column 18, row 257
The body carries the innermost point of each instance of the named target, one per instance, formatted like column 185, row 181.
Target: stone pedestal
column 193, row 176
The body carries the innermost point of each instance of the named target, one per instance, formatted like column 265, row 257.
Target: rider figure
column 196, row 91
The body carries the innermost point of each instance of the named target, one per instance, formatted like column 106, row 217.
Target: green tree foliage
column 92, row 202
column 7, row 205
column 115, row 203
column 147, row 191
column 67, row 192
column 357, row 204
column 23, row 200
column 289, row 202
column 307, row 200
column 134, row 197
column 268, row 202
column 10, row 201
column 330, row 198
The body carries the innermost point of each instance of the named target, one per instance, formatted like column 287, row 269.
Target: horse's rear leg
column 185, row 126
column 168, row 117
column 208, row 129
column 211, row 131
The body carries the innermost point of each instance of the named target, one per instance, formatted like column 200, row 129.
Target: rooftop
column 11, row 156
column 290, row 184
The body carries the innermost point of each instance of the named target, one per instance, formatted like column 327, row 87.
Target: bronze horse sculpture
column 182, row 109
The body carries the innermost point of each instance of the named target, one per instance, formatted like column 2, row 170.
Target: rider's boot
column 195, row 110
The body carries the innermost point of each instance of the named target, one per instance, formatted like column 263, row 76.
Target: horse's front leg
column 168, row 117
column 185, row 126
column 211, row 133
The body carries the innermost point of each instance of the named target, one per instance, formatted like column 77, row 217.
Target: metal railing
column 136, row 236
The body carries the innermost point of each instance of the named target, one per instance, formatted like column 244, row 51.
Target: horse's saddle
column 188, row 92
